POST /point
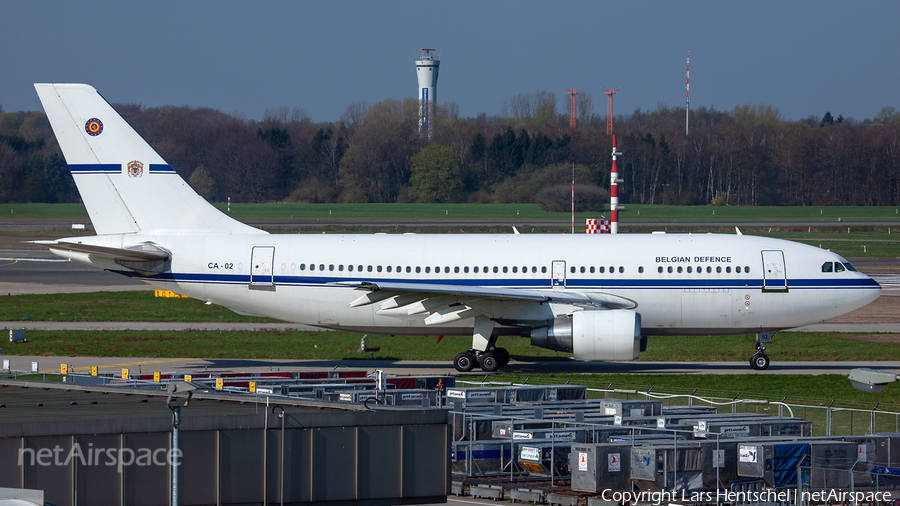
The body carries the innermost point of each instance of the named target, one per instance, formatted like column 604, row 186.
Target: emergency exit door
column 774, row 276
column 262, row 272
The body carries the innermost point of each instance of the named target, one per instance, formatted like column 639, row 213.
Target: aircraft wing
column 438, row 298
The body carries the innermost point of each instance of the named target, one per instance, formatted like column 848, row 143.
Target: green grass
column 114, row 306
column 522, row 213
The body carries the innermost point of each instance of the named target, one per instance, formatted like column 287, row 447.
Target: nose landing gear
column 760, row 361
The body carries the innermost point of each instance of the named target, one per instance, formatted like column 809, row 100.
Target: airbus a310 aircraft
column 597, row 297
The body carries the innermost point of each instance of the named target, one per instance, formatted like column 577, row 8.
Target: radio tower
column 609, row 110
column 687, row 107
column 572, row 93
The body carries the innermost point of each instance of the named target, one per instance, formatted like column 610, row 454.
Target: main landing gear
column 489, row 361
column 759, row 360
column 484, row 353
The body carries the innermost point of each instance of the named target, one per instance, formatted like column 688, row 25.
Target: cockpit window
column 849, row 267
column 838, row 267
column 827, row 267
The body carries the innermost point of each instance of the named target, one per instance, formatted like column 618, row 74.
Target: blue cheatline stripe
column 96, row 168
column 161, row 169
column 532, row 284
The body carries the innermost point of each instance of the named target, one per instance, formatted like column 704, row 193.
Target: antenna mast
column 572, row 93
column 609, row 110
column 687, row 107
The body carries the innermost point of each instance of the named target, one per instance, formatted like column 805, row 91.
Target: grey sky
column 804, row 58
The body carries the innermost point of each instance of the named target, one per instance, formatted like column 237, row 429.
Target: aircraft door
column 262, row 273
column 559, row 274
column 774, row 276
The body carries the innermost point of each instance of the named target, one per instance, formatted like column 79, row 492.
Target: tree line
column 749, row 155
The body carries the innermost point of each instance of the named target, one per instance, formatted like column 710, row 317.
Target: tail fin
column 124, row 183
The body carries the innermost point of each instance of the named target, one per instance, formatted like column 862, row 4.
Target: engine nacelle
column 594, row 335
column 606, row 335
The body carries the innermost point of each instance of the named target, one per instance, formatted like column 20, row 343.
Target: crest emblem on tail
column 135, row 168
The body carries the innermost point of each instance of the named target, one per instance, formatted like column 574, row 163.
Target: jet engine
column 594, row 335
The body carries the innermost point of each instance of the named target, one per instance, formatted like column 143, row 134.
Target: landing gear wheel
column 759, row 361
column 464, row 362
column 502, row 356
column 489, row 363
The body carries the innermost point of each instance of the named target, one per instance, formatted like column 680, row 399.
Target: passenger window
column 312, row 267
column 389, row 268
column 302, row 267
column 708, row 269
column 486, row 269
column 446, row 270
column 398, row 268
column 669, row 269
column 699, row 269
column 505, row 269
column 418, row 270
column 515, row 269
column 543, row 270
column 427, row 270
column 602, row 270
column 582, row 269
column 659, row 269
column 534, row 270
column 690, row 269
column 466, row 269
column 718, row 269
column 572, row 269
column 321, row 267
column 746, row 270
column 621, row 270
column 641, row 269
column 408, row 269
column 737, row 269
column 456, row 270
column 341, row 267
column 592, row 269
column 350, row 268
column 838, row 267
column 728, row 269
column 679, row 269
column 331, row 267
column 369, row 268
column 612, row 269
column 475, row 269
column 378, row 268
column 496, row 269
column 524, row 269
column 359, row 268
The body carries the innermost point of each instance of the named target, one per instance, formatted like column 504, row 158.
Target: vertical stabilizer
column 124, row 183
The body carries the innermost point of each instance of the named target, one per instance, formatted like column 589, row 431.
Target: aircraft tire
column 502, row 356
column 759, row 361
column 464, row 362
column 489, row 363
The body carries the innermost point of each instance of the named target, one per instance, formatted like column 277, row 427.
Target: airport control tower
column 427, row 66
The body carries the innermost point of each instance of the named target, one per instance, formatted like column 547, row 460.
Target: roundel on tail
column 93, row 127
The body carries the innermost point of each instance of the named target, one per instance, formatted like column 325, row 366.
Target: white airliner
column 596, row 296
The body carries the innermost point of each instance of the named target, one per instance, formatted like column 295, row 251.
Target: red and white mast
column 687, row 91
column 614, row 191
